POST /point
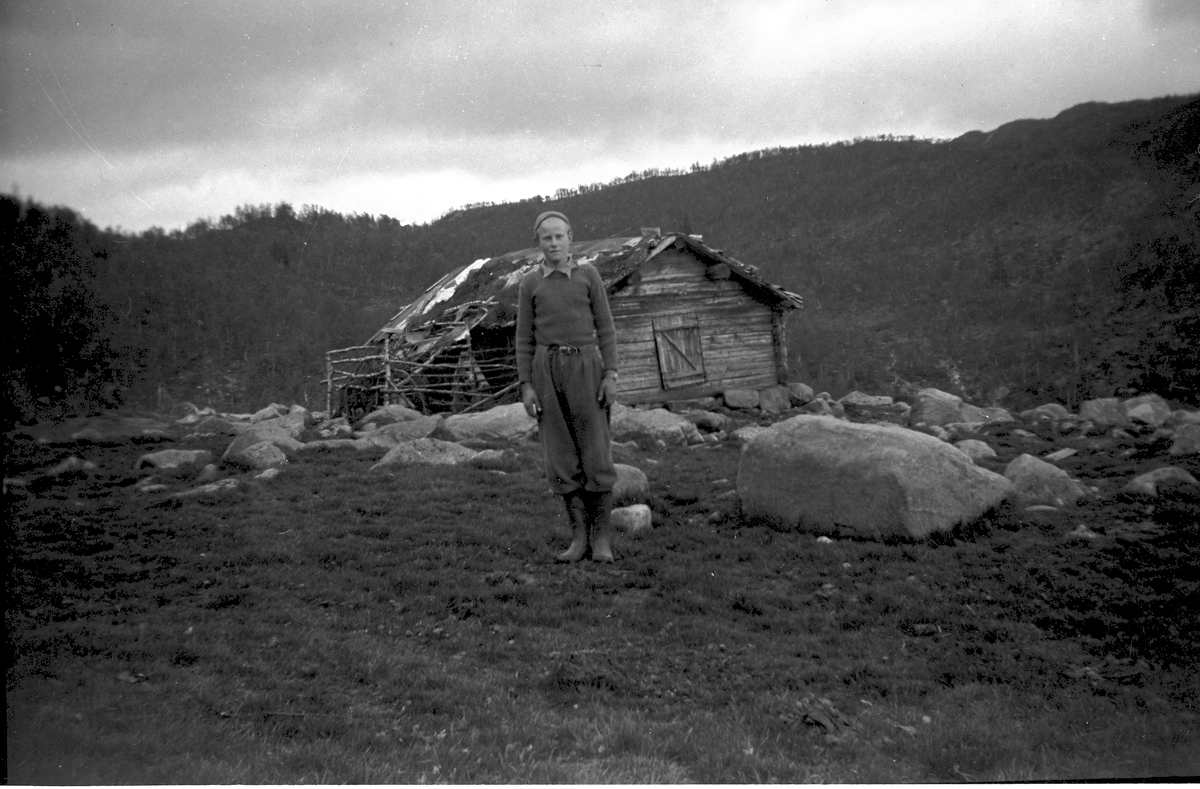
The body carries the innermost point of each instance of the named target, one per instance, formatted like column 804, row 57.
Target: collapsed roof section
column 484, row 293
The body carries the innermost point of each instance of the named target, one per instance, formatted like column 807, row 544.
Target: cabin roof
column 485, row 292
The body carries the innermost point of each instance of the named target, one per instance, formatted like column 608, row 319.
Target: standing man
column 567, row 366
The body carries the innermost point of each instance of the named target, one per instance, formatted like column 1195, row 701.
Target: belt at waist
column 567, row 348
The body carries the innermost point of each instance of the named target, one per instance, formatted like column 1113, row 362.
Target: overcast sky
column 162, row 112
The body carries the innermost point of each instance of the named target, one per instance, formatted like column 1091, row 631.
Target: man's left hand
column 607, row 396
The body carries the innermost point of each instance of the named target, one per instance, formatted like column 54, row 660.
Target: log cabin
column 691, row 322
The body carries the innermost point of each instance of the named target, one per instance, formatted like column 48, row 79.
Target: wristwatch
column 611, row 374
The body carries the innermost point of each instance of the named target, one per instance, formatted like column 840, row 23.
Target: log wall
column 737, row 335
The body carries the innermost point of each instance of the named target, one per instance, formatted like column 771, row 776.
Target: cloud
column 131, row 105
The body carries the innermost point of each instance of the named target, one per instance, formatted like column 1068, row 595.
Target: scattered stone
column 156, row 487
column 651, row 426
column 1147, row 409
column 976, row 450
column 273, row 411
column 425, row 452
column 1148, row 483
column 633, row 519
column 1038, row 482
column 1187, row 440
column 935, row 407
column 1104, row 412
column 1050, row 412
column 224, row 486
column 71, row 465
column 1061, row 454
column 396, row 433
column 818, row 407
column 208, row 473
column 697, row 404
column 270, row 473
column 1041, row 508
column 992, row 415
column 801, row 393
column 257, row 435
column 214, row 425
column 735, row 397
column 816, row 473
column 502, row 423
column 774, row 399
column 632, row 486
column 388, row 414
column 1180, row 417
column 706, row 421
column 747, row 433
column 864, row 406
column 173, row 458
column 1082, row 532
column 488, row 458
column 334, row 428
column 339, row 443
column 260, row 455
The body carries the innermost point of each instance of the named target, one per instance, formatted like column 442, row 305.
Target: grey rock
column 651, row 426
column 633, row 519
column 173, row 458
column 502, row 423
column 1148, row 483
column 1104, row 412
column 975, row 449
column 935, row 407
column 1187, row 440
column 396, row 433
column 817, row 474
column 1038, row 482
column 273, row 411
column 774, row 399
column 270, row 473
column 632, row 486
column 736, row 397
column 388, row 414
column 1149, row 409
column 817, row 406
column 1050, row 412
column 748, row 433
column 261, row 455
column 1060, row 454
column 214, row 425
column 425, row 452
column 801, row 393
column 256, row 434
column 224, row 486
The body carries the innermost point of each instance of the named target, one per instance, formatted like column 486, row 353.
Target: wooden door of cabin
column 680, row 360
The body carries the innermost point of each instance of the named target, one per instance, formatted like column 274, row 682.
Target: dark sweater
column 562, row 310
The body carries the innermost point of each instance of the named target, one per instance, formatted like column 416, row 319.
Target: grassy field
column 341, row 625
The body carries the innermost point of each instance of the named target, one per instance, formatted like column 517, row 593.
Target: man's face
column 554, row 239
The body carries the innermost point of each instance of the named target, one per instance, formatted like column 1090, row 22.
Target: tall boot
column 599, row 510
column 577, row 519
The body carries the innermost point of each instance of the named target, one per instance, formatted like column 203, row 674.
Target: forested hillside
column 1050, row 259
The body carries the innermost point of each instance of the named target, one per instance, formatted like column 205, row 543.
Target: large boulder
column 800, row 393
column 1186, row 440
column 935, row 407
column 632, row 486
column 875, row 407
column 273, row 411
column 386, row 415
column 215, row 425
column 503, row 423
column 820, row 474
column 1104, row 412
column 774, row 399
column 975, row 449
column 633, row 519
column 259, row 455
column 1147, row 409
column 397, row 433
column 1148, row 483
column 256, row 434
column 975, row 415
column 425, row 452
column 1050, row 412
column 736, row 397
column 1036, row 482
column 173, row 458
column 651, row 425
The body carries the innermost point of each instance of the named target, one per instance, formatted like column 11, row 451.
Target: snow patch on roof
column 448, row 291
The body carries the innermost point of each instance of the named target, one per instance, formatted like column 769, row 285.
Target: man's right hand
column 533, row 406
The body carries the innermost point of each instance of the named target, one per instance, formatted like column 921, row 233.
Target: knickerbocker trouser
column 573, row 427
